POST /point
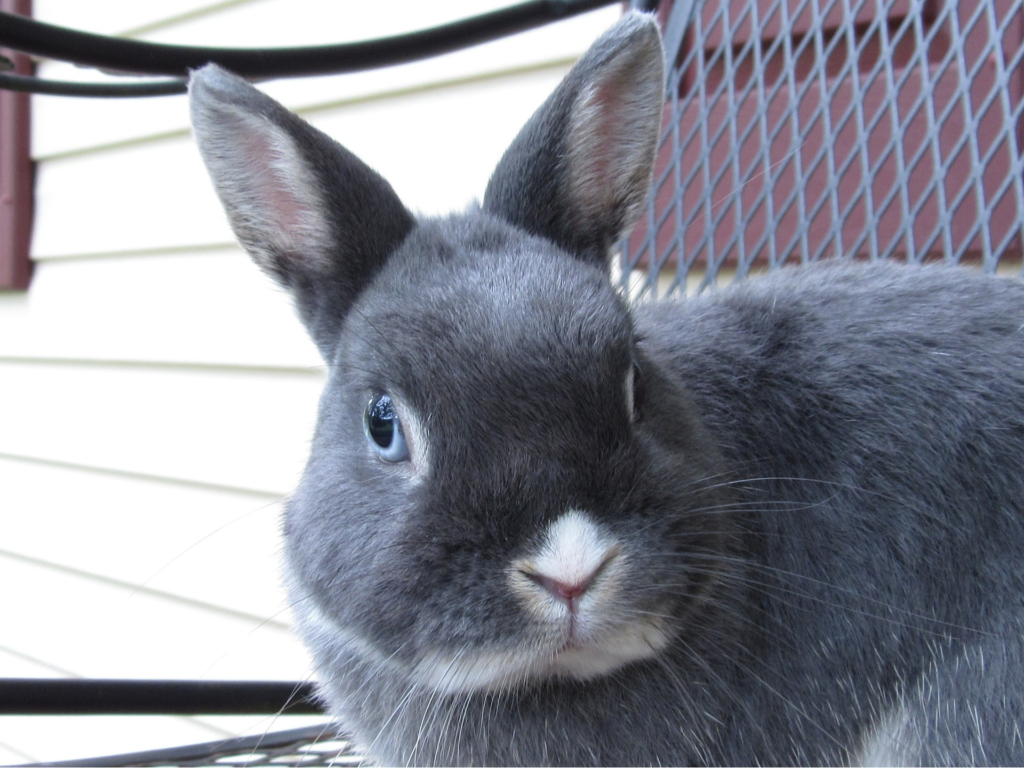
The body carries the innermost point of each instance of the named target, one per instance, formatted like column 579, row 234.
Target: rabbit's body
column 871, row 416
column 870, row 590
column 780, row 523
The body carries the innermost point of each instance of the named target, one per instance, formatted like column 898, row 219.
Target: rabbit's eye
column 384, row 430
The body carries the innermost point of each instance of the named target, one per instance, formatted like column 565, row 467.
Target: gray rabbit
column 779, row 523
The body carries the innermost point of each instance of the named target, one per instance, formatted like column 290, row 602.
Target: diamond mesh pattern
column 796, row 130
column 319, row 745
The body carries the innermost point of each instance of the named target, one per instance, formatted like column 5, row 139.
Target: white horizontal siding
column 158, row 393
column 102, row 123
column 217, row 547
column 118, row 17
column 19, row 664
column 436, row 153
column 141, row 197
column 223, row 427
column 142, row 634
column 205, row 307
column 251, row 23
column 36, row 739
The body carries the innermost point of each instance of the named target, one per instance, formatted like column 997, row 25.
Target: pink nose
column 560, row 589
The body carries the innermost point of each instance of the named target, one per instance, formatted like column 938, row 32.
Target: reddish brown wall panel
column 15, row 172
column 788, row 145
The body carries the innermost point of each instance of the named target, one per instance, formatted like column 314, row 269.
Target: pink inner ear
column 606, row 101
column 604, row 149
column 276, row 183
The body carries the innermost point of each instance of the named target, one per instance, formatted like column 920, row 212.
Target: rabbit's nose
column 560, row 589
column 568, row 589
column 576, row 561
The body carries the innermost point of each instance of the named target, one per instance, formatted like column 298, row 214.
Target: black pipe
column 26, row 696
column 30, row 84
column 121, row 55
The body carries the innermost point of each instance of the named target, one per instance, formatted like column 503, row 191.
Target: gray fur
column 819, row 496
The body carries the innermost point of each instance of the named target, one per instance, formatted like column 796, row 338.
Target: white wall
column 158, row 395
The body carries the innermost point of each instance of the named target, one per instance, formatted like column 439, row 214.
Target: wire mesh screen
column 797, row 130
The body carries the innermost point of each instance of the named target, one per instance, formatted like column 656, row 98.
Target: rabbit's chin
column 560, row 655
column 505, row 669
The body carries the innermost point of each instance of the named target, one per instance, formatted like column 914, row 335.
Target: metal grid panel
column 802, row 129
column 319, row 745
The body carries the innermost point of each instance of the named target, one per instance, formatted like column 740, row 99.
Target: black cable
column 29, row 84
column 27, row 696
column 120, row 55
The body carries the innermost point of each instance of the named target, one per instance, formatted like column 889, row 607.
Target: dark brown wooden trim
column 15, row 171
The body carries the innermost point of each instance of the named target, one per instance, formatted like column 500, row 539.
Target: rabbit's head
column 494, row 495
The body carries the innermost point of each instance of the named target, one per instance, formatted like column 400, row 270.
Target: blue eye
column 384, row 430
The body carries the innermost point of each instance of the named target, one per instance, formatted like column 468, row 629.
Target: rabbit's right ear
column 580, row 170
column 308, row 211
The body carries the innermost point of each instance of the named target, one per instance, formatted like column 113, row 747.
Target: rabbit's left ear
column 579, row 171
column 309, row 212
